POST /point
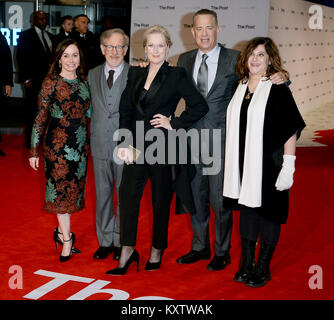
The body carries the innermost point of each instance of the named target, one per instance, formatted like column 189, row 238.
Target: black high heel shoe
column 121, row 271
column 66, row 258
column 57, row 240
column 150, row 266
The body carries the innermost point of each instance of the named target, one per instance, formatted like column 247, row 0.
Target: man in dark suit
column 88, row 42
column 107, row 82
column 212, row 68
column 67, row 24
column 6, row 75
column 220, row 81
column 34, row 54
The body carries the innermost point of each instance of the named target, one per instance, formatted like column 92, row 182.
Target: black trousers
column 134, row 179
column 252, row 224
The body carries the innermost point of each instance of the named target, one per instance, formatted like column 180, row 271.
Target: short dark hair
column 67, row 17
column 205, row 11
column 81, row 15
column 35, row 14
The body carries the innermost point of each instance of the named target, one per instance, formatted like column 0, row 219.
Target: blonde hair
column 158, row 29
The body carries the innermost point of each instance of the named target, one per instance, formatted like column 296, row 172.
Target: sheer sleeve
column 43, row 106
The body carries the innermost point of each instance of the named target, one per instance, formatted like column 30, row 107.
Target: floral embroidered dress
column 62, row 108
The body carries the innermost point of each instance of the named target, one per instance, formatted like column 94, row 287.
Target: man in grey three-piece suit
column 107, row 82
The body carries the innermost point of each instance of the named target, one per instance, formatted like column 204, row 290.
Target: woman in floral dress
column 63, row 103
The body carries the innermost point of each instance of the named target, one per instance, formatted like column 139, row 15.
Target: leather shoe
column 117, row 253
column 219, row 262
column 103, row 252
column 194, row 256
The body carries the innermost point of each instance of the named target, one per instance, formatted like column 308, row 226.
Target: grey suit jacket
column 220, row 93
column 105, row 110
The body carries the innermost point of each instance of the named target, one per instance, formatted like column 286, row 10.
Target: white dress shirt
column 212, row 63
column 118, row 70
column 46, row 36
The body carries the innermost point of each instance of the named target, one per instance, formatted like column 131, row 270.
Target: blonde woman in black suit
column 151, row 96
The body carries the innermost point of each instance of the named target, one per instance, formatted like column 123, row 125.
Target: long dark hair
column 55, row 67
column 272, row 51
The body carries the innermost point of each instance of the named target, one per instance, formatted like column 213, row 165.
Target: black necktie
column 110, row 79
column 202, row 77
column 46, row 46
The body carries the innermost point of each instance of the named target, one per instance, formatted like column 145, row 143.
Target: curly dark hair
column 55, row 67
column 274, row 66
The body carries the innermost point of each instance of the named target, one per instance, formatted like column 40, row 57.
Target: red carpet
column 26, row 241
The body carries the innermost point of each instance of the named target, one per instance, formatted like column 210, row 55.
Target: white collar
column 38, row 30
column 117, row 69
column 212, row 55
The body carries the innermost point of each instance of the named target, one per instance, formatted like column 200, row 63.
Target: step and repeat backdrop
column 304, row 32
column 239, row 20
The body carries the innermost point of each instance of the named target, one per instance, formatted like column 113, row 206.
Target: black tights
column 252, row 224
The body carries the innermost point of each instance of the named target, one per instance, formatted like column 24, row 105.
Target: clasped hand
column 125, row 155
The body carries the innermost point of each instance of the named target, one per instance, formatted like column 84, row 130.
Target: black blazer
column 32, row 60
column 6, row 64
column 168, row 87
column 59, row 38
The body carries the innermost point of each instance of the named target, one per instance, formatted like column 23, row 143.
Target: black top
column 142, row 96
column 281, row 121
column 168, row 87
column 242, row 130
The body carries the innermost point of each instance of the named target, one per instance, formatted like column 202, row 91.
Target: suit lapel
column 141, row 78
column 100, row 81
column 157, row 81
column 154, row 87
column 37, row 40
column 123, row 76
column 222, row 66
column 190, row 63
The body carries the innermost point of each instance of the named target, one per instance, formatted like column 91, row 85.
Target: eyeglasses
column 117, row 48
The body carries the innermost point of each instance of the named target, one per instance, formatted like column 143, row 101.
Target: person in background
column 34, row 54
column 88, row 42
column 63, row 102
column 107, row 82
column 67, row 24
column 6, row 75
column 107, row 23
column 151, row 97
column 263, row 124
column 212, row 68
